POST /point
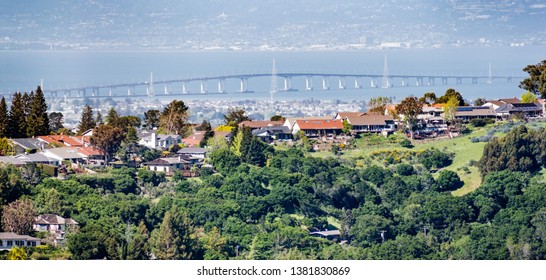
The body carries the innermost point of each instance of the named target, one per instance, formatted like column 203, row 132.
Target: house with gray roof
column 193, row 152
column 56, row 225
column 11, row 160
column 468, row 113
column 27, row 145
column 531, row 110
column 37, row 159
column 9, row 240
column 65, row 153
column 169, row 165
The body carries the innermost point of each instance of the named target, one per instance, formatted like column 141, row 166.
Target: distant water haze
column 23, row 70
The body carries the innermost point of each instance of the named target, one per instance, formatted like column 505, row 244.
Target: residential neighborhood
column 58, row 150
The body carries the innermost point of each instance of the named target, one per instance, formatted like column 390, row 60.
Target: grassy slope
column 464, row 151
column 462, row 147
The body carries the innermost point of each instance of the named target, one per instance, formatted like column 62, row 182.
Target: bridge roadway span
column 375, row 81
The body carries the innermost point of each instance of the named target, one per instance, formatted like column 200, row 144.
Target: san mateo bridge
column 309, row 82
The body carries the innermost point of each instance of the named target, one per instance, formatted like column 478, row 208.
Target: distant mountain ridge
column 269, row 25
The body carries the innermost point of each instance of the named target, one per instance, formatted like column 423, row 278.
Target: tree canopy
column 174, row 118
column 536, row 82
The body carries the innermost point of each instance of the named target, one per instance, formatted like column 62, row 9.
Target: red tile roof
column 72, row 141
column 89, row 151
column 194, row 139
column 319, row 124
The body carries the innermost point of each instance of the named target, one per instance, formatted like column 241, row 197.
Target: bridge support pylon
column 358, row 84
column 287, row 84
column 341, row 83
column 221, row 86
column 325, row 83
column 419, row 81
column 203, row 86
column 308, row 83
column 244, row 85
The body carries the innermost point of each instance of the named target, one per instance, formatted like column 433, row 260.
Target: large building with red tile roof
column 314, row 128
column 65, row 140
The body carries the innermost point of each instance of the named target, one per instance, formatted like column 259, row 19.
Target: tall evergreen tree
column 87, row 121
column 17, row 120
column 37, row 119
column 112, row 118
column 138, row 246
column 174, row 240
column 4, row 118
column 151, row 119
column 98, row 118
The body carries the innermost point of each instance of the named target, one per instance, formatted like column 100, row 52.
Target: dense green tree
column 519, row 150
column 38, row 120
column 434, row 159
column 174, row 118
column 480, row 101
column 107, row 139
column 137, row 246
column 4, row 118
column 98, row 118
column 207, row 132
column 410, row 107
column 448, row 181
column 404, row 169
column 347, row 127
column 87, row 121
column 11, row 184
column 48, row 201
column 225, row 160
column 449, row 94
column 91, row 242
column 450, row 109
column 129, row 148
column 214, row 245
column 536, row 82
column 277, row 118
column 174, row 239
column 235, row 116
column 129, row 121
column 378, row 104
column 528, row 97
column 17, row 118
column 112, row 118
column 6, row 148
column 56, row 120
column 151, row 119
column 428, row 98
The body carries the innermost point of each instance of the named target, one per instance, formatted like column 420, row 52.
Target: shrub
column 448, row 181
column 434, row 158
column 406, row 143
column 404, row 169
column 478, row 122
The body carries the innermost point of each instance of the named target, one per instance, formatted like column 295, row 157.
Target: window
column 9, row 243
